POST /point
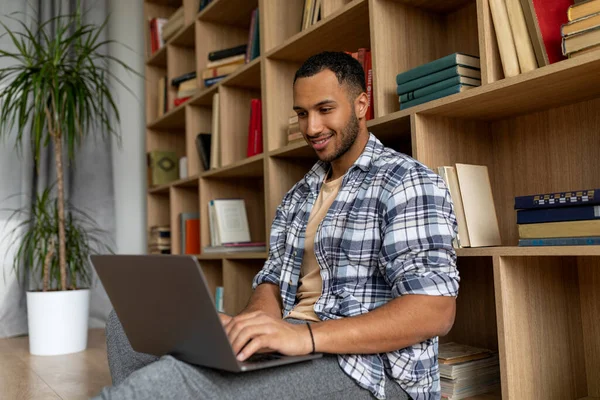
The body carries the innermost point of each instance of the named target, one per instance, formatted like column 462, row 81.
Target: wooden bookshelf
column 536, row 132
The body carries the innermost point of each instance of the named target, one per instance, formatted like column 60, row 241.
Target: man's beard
column 348, row 134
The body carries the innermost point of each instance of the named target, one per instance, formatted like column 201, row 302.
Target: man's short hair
column 346, row 68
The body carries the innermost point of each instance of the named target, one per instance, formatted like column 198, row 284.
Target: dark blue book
column 436, row 87
column 576, row 213
column 438, row 65
column 569, row 241
column 436, row 95
column 558, row 199
column 437, row 77
column 211, row 81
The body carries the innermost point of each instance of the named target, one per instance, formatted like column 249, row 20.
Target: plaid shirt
column 387, row 234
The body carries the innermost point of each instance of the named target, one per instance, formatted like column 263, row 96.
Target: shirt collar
column 317, row 173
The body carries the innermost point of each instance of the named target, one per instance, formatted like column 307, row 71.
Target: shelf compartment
column 204, row 97
column 247, row 76
column 198, row 120
column 182, row 199
column 229, row 12
column 158, row 209
column 247, row 168
column 345, row 30
column 180, row 60
column 213, row 272
column 394, row 133
column 153, row 76
column 407, row 34
column 548, row 310
column 159, row 58
column 237, row 275
column 299, row 149
column 174, row 119
column 186, row 37
column 559, row 84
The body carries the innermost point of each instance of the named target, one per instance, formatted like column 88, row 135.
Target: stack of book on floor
column 473, row 203
column 582, row 33
column 186, row 86
column 467, row 371
column 559, row 219
column 443, row 77
column 159, row 240
column 229, row 229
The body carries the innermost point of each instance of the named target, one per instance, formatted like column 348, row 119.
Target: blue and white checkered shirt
column 387, row 234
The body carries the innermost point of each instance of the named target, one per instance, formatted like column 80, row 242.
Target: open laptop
column 165, row 307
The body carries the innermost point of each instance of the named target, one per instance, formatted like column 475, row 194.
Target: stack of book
column 186, row 86
column 582, row 33
column 312, row 13
column 467, row 371
column 159, row 240
column 293, row 131
column 559, row 219
column 363, row 55
column 443, row 77
column 229, row 229
column 473, row 203
column 173, row 25
column 222, row 63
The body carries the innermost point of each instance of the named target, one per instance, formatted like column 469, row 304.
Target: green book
column 163, row 167
column 450, row 60
column 437, row 77
column 446, row 83
column 436, row 95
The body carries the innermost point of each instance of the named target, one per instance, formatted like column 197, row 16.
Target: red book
column 181, row 100
column 551, row 14
column 192, row 236
column 369, row 82
column 255, row 145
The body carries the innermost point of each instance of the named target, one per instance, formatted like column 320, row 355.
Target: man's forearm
column 402, row 322
column 266, row 298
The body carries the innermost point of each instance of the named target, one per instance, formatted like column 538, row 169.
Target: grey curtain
column 88, row 182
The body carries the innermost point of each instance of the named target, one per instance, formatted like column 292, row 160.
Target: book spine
column 233, row 51
column 504, row 37
column 578, row 213
column 427, row 80
column 559, row 229
column 569, row 241
column 186, row 77
column 525, row 52
column 211, row 81
column 426, row 69
column 446, row 83
column 219, row 299
column 558, row 199
column 433, row 96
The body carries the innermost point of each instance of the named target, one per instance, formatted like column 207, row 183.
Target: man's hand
column 251, row 332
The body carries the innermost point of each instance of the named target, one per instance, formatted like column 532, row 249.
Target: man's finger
column 224, row 318
column 247, row 334
column 255, row 344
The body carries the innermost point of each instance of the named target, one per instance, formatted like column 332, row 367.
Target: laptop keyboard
column 262, row 357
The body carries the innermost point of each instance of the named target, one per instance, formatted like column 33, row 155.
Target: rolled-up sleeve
column 417, row 256
column 271, row 271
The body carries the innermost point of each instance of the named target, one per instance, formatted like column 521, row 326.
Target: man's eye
column 326, row 109
column 301, row 115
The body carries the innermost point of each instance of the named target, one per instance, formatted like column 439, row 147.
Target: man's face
column 326, row 115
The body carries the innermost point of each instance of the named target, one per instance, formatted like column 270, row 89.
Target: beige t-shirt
column 310, row 285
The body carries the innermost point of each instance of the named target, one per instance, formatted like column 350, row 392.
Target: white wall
column 126, row 27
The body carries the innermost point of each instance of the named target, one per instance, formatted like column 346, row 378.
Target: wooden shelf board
column 436, row 6
column 565, row 82
column 248, row 168
column 204, row 98
column 229, row 12
column 161, row 189
column 190, row 181
column 529, row 251
column 159, row 58
column 345, row 30
column 246, row 77
column 232, row 256
column 186, row 37
column 173, row 119
column 299, row 149
column 391, row 126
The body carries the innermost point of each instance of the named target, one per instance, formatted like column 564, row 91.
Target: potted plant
column 56, row 92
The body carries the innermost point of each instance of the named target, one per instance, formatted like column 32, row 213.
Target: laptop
column 165, row 307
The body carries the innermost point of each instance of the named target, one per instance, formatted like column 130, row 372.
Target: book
column 236, row 248
column 449, row 176
column 580, row 25
column 558, row 199
column 203, row 146
column 219, row 299
column 453, row 353
column 369, row 82
column 162, row 96
column 446, row 83
column 584, row 51
column 581, row 41
column 229, row 221
column 544, row 19
column 211, row 81
column 190, row 84
column 437, row 77
column 229, row 52
column 192, row 236
column 518, row 27
column 455, row 59
column 562, row 241
column 580, row 10
column 576, row 213
column 478, row 202
column 239, row 59
column 163, row 167
column 505, row 39
column 255, row 134
column 220, row 71
column 182, row 78
column 560, row 229
column 215, row 148
column 183, row 167
column 435, row 95
column 183, row 232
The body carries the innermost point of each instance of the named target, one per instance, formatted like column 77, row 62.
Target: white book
column 230, row 221
column 449, row 176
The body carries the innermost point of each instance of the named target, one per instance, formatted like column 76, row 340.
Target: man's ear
column 361, row 105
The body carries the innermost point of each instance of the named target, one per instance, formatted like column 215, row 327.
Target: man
column 360, row 249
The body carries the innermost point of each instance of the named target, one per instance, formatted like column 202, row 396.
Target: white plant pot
column 58, row 321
